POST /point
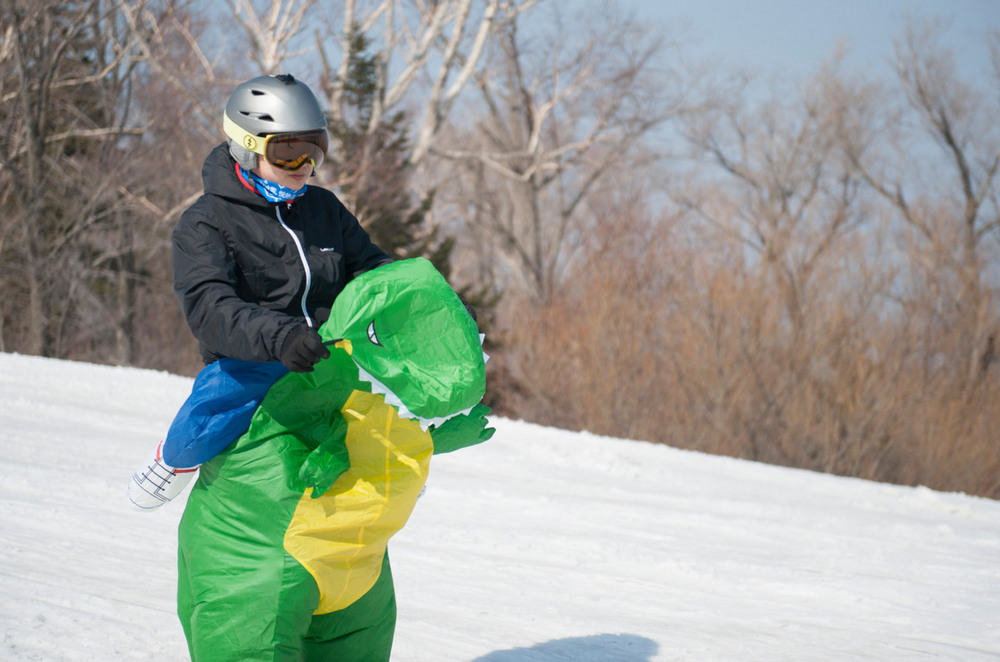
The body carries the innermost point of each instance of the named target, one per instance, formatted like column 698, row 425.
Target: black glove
column 302, row 349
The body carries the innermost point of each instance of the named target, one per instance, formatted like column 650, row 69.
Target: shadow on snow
column 595, row 648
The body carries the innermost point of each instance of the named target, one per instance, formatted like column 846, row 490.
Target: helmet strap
column 242, row 155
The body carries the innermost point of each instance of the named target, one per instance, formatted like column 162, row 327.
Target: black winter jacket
column 239, row 273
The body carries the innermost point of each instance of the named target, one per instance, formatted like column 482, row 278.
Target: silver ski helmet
column 276, row 117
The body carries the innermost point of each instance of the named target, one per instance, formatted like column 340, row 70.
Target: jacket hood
column 218, row 176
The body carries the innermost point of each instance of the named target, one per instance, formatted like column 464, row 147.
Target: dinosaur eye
column 372, row 336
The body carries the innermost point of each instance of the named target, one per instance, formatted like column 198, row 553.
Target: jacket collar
column 218, row 176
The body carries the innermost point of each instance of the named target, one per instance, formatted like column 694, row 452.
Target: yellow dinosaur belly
column 341, row 537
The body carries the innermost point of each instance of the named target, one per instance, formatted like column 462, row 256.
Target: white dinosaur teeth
column 404, row 412
column 393, row 399
column 482, row 339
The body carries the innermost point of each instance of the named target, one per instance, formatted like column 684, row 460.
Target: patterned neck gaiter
column 271, row 191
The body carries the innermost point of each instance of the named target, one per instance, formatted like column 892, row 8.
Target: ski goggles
column 288, row 151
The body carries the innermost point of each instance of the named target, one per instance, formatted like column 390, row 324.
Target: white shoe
column 155, row 482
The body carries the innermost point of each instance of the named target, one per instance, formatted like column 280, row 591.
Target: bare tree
column 174, row 60
column 560, row 107
column 440, row 44
column 938, row 167
column 80, row 175
column 273, row 31
column 789, row 194
column 779, row 335
column 68, row 67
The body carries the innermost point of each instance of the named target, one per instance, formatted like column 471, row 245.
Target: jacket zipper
column 305, row 263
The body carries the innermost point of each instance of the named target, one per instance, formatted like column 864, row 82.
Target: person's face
column 293, row 179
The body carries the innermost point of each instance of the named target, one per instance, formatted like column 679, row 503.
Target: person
column 258, row 260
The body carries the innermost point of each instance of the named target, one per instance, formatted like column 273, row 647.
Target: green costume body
column 283, row 540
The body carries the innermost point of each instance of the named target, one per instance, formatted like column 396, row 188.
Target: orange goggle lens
column 291, row 151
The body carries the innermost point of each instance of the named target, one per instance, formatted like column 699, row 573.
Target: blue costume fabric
column 225, row 395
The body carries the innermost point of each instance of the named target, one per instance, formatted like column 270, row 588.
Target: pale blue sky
column 791, row 38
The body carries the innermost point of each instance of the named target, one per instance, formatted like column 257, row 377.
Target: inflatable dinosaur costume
column 283, row 539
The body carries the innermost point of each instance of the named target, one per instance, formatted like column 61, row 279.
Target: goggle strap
column 247, row 140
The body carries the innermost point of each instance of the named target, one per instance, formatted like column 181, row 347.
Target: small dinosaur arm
column 301, row 507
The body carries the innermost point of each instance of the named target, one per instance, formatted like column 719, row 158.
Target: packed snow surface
column 539, row 546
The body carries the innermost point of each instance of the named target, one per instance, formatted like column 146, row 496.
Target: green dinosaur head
column 412, row 338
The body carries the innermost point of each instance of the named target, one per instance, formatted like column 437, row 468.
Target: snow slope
column 539, row 546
